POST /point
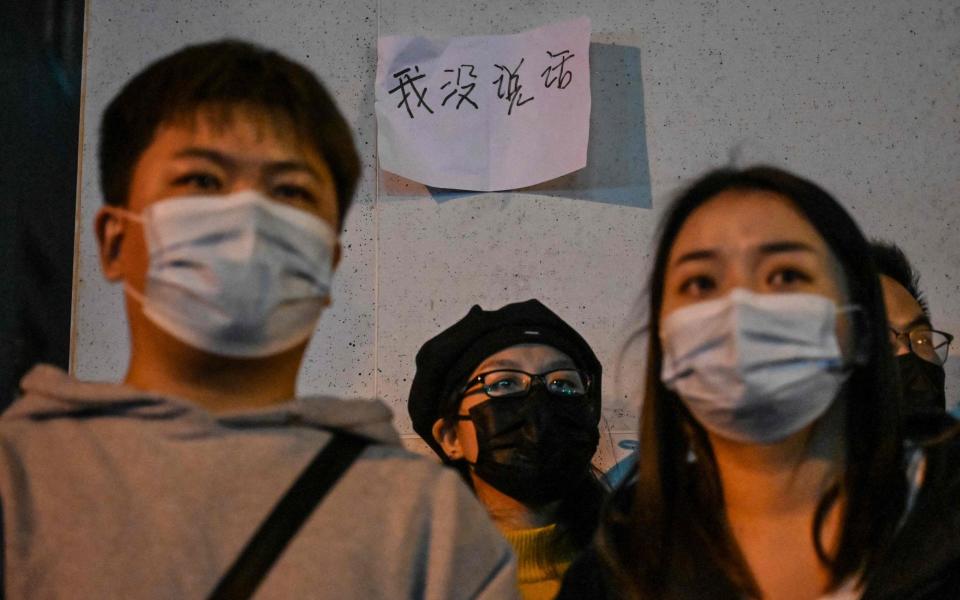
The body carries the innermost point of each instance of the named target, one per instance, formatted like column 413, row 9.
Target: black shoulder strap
column 253, row 564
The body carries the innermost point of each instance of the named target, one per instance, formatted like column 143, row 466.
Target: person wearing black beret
column 511, row 398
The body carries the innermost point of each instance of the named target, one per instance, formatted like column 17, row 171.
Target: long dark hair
column 672, row 539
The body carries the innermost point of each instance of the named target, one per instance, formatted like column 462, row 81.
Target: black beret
column 445, row 361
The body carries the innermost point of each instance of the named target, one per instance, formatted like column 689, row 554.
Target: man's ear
column 448, row 440
column 110, row 232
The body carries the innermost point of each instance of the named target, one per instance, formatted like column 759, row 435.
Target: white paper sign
column 485, row 112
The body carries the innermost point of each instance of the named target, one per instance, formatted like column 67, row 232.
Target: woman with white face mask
column 771, row 464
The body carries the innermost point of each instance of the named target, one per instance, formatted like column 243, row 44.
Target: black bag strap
column 290, row 513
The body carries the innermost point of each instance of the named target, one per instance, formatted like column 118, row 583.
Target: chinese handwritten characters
column 485, row 112
column 462, row 90
column 410, row 81
column 563, row 76
column 509, row 88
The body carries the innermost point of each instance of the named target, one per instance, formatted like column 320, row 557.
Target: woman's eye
column 788, row 277
column 502, row 386
column 505, row 384
column 698, row 285
column 204, row 182
column 564, row 387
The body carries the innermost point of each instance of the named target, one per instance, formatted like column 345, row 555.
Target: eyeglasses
column 929, row 344
column 511, row 383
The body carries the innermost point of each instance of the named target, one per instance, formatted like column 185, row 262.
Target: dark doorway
column 41, row 49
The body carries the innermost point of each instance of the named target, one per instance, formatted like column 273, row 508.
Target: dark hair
column 673, row 540
column 892, row 262
column 224, row 75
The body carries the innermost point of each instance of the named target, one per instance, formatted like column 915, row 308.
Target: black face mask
column 921, row 383
column 536, row 448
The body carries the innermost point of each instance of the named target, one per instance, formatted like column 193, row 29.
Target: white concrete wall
column 859, row 96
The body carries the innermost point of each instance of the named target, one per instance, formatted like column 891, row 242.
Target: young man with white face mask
column 227, row 172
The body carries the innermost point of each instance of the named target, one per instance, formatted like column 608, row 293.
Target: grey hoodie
column 110, row 492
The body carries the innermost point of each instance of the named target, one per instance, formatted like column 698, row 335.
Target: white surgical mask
column 754, row 367
column 236, row 275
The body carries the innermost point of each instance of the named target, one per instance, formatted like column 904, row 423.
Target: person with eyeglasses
column 920, row 350
column 511, row 399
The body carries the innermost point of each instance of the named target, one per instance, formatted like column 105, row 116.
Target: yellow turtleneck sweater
column 543, row 555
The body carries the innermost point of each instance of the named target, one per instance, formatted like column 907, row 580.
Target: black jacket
column 924, row 560
column 922, row 563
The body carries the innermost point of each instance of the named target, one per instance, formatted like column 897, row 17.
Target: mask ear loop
column 126, row 213
column 134, row 293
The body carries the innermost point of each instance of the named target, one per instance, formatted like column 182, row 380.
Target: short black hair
column 224, row 74
column 892, row 262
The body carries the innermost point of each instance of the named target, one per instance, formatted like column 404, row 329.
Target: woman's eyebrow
column 559, row 364
column 767, row 248
column 500, row 363
column 506, row 363
column 705, row 254
column 785, row 246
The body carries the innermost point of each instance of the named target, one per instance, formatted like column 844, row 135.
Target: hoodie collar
column 50, row 393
